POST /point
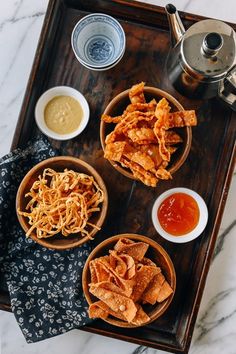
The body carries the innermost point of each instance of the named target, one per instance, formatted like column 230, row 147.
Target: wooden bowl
column 156, row 253
column 59, row 241
column 118, row 105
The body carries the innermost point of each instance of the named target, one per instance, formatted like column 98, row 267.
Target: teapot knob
column 212, row 43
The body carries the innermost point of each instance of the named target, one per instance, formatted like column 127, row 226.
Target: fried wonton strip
column 143, row 107
column 165, row 292
column 123, row 241
column 94, row 278
column 172, row 149
column 102, row 273
column 140, row 134
column 108, row 285
column 162, row 113
column 149, row 180
column 140, row 173
column 132, row 120
column 172, row 137
column 114, row 136
column 160, row 134
column 123, row 264
column 161, row 125
column 131, row 268
column 152, row 150
column 108, row 119
column 116, row 302
column 118, row 264
column 128, row 260
column 141, row 316
column 141, row 158
column 162, row 173
column 148, row 262
column 136, row 93
column 100, row 310
column 125, row 284
column 142, row 278
column 182, row 118
column 114, row 151
column 135, row 250
column 96, row 311
column 109, row 311
column 152, row 291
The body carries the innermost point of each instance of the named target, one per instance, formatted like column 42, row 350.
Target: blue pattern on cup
column 100, row 49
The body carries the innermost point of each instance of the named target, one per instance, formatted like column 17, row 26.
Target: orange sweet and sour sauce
column 178, row 214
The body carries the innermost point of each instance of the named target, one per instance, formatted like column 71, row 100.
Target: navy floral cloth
column 45, row 285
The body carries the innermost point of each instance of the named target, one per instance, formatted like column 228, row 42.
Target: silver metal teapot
column 202, row 62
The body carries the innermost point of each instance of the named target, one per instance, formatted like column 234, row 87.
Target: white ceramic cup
column 98, row 41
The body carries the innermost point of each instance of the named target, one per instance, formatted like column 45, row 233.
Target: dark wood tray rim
column 149, row 11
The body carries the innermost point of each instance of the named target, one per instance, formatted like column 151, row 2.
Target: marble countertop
column 215, row 329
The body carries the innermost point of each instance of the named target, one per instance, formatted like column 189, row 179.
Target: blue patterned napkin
column 45, row 286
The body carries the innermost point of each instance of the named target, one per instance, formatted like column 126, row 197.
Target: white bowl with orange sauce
column 179, row 215
column 62, row 112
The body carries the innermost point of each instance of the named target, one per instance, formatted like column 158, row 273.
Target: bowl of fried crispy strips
column 128, row 281
column 146, row 134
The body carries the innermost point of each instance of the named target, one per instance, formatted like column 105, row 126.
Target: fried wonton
column 136, row 250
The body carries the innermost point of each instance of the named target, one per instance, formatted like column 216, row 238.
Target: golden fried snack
column 182, row 118
column 116, row 302
column 140, row 317
column 142, row 136
column 136, row 93
column 143, row 277
column 131, row 280
column 62, row 202
column 151, row 293
column 136, row 250
column 164, row 292
column 96, row 310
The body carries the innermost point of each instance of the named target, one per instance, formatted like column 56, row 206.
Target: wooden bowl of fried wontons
column 155, row 256
column 178, row 152
column 61, row 240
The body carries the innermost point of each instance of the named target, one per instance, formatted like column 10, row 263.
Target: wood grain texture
column 207, row 170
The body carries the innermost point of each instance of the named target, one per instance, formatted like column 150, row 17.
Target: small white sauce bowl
column 48, row 96
column 203, row 216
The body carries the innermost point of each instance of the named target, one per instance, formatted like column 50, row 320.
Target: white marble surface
column 215, row 330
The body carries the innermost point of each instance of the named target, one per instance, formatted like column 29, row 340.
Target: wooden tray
column 208, row 169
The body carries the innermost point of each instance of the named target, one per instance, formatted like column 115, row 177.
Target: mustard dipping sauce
column 63, row 114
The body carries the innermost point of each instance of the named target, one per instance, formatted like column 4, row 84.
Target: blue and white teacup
column 98, row 41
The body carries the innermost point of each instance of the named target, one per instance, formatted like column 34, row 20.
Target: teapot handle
column 227, row 89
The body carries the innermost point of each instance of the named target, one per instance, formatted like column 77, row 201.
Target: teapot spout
column 176, row 26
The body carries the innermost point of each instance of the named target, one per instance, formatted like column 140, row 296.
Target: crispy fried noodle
column 62, row 202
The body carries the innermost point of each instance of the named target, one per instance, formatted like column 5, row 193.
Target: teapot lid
column 209, row 49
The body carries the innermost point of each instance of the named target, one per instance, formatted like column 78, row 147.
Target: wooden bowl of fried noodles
column 62, row 202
